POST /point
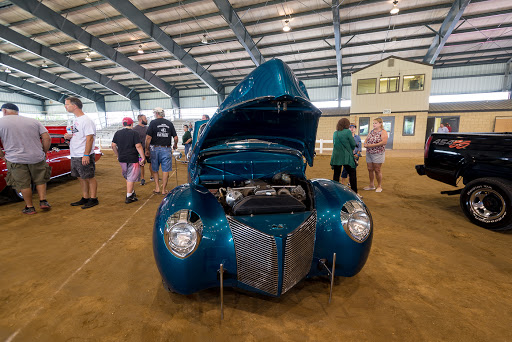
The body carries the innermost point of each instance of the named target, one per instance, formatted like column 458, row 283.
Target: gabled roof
column 394, row 57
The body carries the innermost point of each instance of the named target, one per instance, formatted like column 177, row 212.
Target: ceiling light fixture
column 44, row 65
column 140, row 51
column 395, row 8
column 204, row 40
column 7, row 70
column 88, row 57
column 286, row 27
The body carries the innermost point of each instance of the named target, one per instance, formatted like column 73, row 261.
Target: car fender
column 330, row 196
column 197, row 271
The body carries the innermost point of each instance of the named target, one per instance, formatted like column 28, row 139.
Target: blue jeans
column 187, row 148
column 161, row 155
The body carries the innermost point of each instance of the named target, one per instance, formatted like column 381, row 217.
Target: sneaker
column 44, row 205
column 131, row 198
column 142, row 181
column 29, row 211
column 91, row 203
column 151, row 179
column 81, row 202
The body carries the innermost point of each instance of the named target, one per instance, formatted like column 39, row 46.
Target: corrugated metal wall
column 26, row 104
column 467, row 85
column 457, row 80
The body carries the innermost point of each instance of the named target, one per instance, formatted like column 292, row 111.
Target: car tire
column 487, row 202
column 13, row 195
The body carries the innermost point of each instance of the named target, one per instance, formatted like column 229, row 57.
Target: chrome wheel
column 487, row 204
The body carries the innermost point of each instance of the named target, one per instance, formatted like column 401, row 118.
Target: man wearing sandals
column 161, row 139
column 26, row 142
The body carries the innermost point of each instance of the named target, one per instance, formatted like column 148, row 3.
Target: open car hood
column 269, row 104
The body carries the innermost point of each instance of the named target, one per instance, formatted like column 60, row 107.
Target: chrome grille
column 298, row 254
column 256, row 257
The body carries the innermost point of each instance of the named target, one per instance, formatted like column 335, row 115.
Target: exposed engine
column 255, row 196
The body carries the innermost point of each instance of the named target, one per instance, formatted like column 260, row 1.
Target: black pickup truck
column 483, row 161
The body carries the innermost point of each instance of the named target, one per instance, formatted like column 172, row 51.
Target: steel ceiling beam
column 32, row 88
column 235, row 23
column 449, row 23
column 42, row 51
column 39, row 10
column 133, row 14
column 337, row 46
column 258, row 21
column 50, row 78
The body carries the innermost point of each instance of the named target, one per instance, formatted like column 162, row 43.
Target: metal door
column 389, row 125
column 430, row 127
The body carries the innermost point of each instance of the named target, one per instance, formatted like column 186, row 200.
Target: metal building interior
column 75, row 276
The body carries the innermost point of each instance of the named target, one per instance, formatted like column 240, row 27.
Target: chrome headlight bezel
column 182, row 233
column 356, row 220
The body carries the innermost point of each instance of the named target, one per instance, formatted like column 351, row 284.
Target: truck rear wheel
column 487, row 202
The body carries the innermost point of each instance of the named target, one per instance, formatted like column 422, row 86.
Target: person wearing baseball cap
column 127, row 147
column 161, row 139
column 26, row 142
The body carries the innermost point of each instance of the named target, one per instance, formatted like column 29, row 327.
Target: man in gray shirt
column 26, row 142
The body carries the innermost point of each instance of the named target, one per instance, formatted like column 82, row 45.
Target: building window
column 409, row 125
column 413, row 82
column 366, row 86
column 364, row 126
column 389, row 84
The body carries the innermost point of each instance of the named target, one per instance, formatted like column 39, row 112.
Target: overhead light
column 88, row 57
column 44, row 65
column 286, row 27
column 204, row 40
column 395, row 8
column 7, row 70
column 140, row 51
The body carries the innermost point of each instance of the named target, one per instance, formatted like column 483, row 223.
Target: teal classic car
column 248, row 217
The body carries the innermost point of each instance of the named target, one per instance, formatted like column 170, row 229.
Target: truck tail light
column 427, row 147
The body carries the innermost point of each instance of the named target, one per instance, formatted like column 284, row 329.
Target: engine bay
column 283, row 193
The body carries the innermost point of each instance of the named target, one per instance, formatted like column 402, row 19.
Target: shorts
column 22, row 176
column 161, row 155
column 83, row 171
column 376, row 158
column 130, row 171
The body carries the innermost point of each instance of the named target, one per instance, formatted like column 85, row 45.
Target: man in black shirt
column 127, row 147
column 142, row 128
column 161, row 139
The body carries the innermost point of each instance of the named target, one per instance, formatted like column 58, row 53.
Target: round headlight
column 356, row 221
column 183, row 232
column 359, row 226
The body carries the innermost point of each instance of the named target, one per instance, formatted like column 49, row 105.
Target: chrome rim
column 487, row 204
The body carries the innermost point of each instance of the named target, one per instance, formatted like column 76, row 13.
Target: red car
column 57, row 157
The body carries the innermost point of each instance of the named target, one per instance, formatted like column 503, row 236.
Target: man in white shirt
column 26, row 142
column 442, row 129
column 81, row 147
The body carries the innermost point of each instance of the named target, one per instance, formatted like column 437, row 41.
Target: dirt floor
column 89, row 275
